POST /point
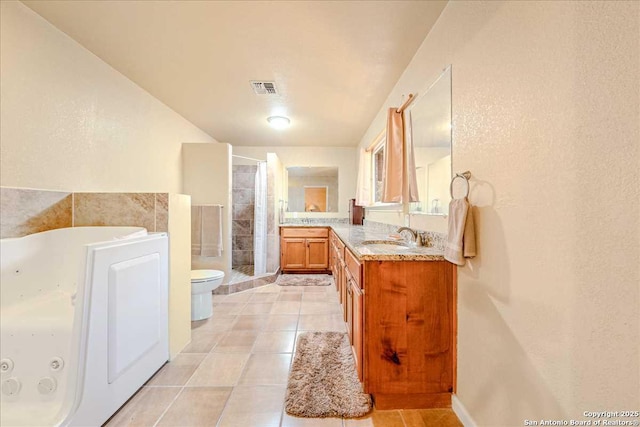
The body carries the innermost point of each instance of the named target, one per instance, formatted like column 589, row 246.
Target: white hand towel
column 461, row 241
column 211, row 231
column 196, row 230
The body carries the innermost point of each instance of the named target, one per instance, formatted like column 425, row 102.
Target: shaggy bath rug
column 304, row 280
column 323, row 381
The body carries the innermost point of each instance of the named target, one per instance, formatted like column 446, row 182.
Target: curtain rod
column 247, row 158
column 406, row 103
column 381, row 135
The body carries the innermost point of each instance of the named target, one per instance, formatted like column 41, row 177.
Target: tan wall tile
column 24, row 212
column 115, row 209
column 162, row 212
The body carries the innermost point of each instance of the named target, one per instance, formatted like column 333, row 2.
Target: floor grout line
column 168, row 406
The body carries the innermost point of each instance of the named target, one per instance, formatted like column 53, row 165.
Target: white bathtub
column 83, row 322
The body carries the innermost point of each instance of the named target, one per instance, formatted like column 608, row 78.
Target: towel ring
column 464, row 175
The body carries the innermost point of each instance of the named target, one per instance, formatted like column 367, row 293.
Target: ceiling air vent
column 264, row 88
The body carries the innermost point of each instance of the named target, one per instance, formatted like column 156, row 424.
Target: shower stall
column 247, row 183
column 249, row 218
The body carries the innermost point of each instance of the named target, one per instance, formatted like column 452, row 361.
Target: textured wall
column 546, row 117
column 206, row 174
column 70, row 121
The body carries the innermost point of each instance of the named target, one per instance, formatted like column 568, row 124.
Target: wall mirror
column 312, row 189
column 429, row 127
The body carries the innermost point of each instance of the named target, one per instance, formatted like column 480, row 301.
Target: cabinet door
column 357, row 326
column 343, row 290
column 317, row 254
column 332, row 257
column 294, row 253
column 336, row 273
column 349, row 308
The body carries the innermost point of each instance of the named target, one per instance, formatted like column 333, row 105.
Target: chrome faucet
column 417, row 236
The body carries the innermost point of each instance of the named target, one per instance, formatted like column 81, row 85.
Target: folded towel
column 211, row 239
column 461, row 241
column 196, row 230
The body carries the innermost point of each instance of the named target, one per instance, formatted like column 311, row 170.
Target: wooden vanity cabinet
column 336, row 253
column 409, row 333
column 400, row 317
column 354, row 308
column 304, row 249
column 356, row 317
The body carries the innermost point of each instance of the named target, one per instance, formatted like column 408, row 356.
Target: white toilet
column 203, row 282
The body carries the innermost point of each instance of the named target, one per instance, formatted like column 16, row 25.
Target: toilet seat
column 199, row 276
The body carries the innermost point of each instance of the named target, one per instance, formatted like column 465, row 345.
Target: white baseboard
column 461, row 412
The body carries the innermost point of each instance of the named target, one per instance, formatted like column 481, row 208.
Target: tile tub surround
column 28, row 211
column 25, row 211
column 354, row 235
column 114, row 209
column 234, row 372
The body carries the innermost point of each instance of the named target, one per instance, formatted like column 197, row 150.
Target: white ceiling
column 334, row 62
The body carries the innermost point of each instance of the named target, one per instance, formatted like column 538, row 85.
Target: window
column 378, row 170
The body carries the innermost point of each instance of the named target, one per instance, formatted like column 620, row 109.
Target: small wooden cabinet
column 409, row 333
column 304, row 249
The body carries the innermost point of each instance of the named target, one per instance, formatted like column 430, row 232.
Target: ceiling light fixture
column 279, row 122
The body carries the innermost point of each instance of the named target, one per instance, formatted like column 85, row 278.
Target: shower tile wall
column 243, row 196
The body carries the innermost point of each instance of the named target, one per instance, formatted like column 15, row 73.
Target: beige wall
column 71, row 122
column 546, row 118
column 345, row 158
column 206, row 172
column 180, row 271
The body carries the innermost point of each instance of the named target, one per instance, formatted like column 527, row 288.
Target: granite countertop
column 353, row 236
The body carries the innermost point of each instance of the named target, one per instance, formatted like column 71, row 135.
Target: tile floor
column 234, row 371
column 241, row 273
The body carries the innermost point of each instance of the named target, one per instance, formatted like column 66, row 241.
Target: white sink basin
column 378, row 245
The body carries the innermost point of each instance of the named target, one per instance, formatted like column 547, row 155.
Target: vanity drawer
column 337, row 244
column 304, row 232
column 354, row 267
